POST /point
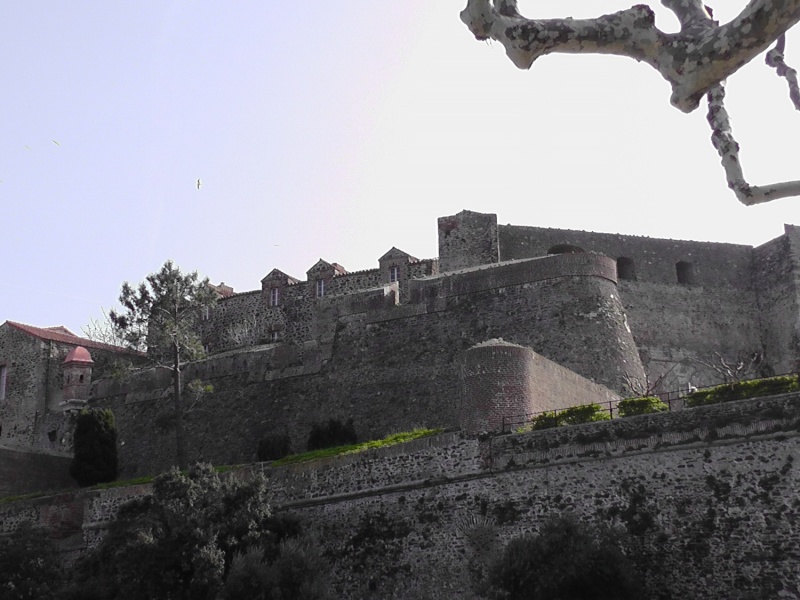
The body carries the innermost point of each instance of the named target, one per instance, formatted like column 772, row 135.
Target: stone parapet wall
column 706, row 496
column 715, row 264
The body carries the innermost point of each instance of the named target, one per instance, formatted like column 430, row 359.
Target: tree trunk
column 180, row 434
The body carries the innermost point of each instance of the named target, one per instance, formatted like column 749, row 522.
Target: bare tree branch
column 728, row 149
column 696, row 61
column 775, row 60
column 692, row 61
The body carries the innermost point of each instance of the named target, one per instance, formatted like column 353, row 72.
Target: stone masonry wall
column 390, row 368
column 677, row 327
column 705, row 498
column 776, row 277
column 25, row 359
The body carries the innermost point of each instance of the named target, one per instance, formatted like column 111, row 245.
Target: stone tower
column 77, row 373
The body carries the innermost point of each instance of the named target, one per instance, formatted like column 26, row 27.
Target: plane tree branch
column 693, row 60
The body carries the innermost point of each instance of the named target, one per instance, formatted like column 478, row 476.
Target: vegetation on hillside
column 567, row 559
column 95, row 441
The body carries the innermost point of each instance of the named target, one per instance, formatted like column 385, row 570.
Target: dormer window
column 320, row 288
column 274, row 296
column 394, row 274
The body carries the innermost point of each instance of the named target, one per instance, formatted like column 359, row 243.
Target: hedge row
column 743, row 390
column 586, row 413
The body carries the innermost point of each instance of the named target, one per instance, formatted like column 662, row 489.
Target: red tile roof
column 65, row 336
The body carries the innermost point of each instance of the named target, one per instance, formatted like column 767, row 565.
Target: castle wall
column 715, row 264
column 679, row 327
column 706, row 498
column 468, row 239
column 26, row 362
column 389, row 367
column 776, row 275
column 25, row 471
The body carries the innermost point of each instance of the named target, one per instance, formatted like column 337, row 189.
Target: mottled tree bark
column 695, row 61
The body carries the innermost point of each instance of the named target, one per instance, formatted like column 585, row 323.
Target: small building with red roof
column 45, row 373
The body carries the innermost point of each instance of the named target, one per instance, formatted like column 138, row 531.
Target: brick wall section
column 707, row 495
column 504, row 384
column 498, row 386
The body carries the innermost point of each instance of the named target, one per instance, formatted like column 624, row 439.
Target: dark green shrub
column 643, row 405
column 330, row 434
column 297, row 572
column 95, row 459
column 575, row 415
column 274, row 446
column 586, row 413
column 29, row 565
column 566, row 559
column 179, row 541
column 743, row 390
column 546, row 421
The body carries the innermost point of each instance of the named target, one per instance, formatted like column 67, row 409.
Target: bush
column 274, row 446
column 95, row 459
column 296, row 572
column 179, row 541
column 586, row 413
column 332, row 433
column 566, row 559
column 29, row 566
column 643, row 405
column 575, row 415
column 546, row 421
column 743, row 390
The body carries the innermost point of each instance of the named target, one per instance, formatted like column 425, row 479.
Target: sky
column 336, row 130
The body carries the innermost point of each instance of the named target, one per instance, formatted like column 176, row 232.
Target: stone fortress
column 710, row 493
column 388, row 347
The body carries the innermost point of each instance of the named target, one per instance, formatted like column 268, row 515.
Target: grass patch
column 389, row 440
column 9, row 499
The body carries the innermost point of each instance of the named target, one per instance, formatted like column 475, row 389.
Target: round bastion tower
column 498, row 386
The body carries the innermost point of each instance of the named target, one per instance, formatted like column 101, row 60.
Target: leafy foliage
column 565, row 560
column 274, row 446
column 180, row 541
column 330, row 434
column 575, row 415
column 95, row 458
column 29, row 566
column 743, row 389
column 162, row 314
column 643, row 405
column 295, row 573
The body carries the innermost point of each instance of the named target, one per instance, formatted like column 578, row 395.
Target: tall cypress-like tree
column 95, row 457
column 161, row 314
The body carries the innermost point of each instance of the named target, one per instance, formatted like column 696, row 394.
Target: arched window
column 685, row 272
column 625, row 268
column 565, row 249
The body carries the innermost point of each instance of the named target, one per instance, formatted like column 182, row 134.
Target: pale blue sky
column 335, row 130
